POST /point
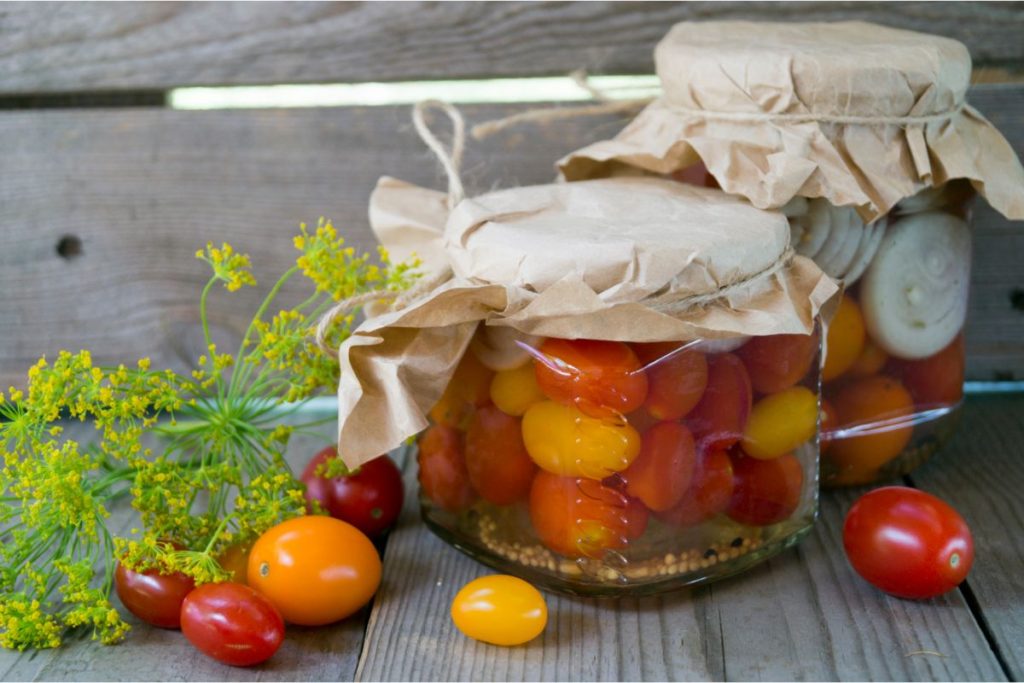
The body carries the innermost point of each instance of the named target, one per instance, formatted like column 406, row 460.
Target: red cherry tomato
column 778, row 361
column 579, row 517
column 937, row 380
column 499, row 466
column 232, row 623
column 369, row 499
column 662, row 472
column 765, row 491
column 907, row 542
column 709, row 493
column 675, row 379
column 443, row 475
column 151, row 596
column 601, row 378
column 720, row 417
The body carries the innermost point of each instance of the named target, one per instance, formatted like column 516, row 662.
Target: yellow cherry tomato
column 500, row 609
column 564, row 441
column 514, row 391
column 780, row 422
column 845, row 339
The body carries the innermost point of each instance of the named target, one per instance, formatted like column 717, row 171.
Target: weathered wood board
column 803, row 615
column 982, row 474
column 141, row 189
column 67, row 47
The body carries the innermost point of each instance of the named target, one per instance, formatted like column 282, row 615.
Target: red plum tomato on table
column 315, row 570
column 370, row 498
column 907, row 543
column 720, row 417
column 601, row 378
column 499, row 467
column 443, row 476
column 232, row 623
column 765, row 491
column 153, row 597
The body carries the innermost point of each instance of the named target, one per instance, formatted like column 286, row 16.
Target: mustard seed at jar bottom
column 601, row 467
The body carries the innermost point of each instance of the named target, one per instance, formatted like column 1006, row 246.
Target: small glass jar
column 606, row 468
column 892, row 380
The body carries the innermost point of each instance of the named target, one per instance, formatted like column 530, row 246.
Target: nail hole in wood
column 69, row 246
column 1017, row 299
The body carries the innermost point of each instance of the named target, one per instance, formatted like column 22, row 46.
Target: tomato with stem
column 907, row 542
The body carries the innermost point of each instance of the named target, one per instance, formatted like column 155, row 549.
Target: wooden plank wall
column 138, row 189
column 61, row 47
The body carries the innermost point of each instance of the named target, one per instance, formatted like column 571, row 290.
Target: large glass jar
column 603, row 468
column 892, row 380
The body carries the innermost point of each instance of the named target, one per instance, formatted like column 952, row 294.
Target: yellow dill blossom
column 228, row 266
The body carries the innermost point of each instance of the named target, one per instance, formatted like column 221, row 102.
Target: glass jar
column 603, row 468
column 893, row 373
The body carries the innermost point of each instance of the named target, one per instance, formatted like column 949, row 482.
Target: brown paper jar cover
column 627, row 259
column 860, row 114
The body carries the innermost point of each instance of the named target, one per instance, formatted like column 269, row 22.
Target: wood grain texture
column 142, row 189
column 326, row 654
column 803, row 615
column 63, row 47
column 981, row 474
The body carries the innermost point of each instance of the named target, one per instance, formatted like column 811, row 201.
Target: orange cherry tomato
column 469, row 387
column 514, row 391
column 601, row 378
column 829, row 423
column 935, row 381
column 880, row 410
column 765, row 491
column 579, row 517
column 315, row 570
column 499, row 467
column 662, row 472
column 675, row 379
column 778, row 361
column 709, row 493
column 500, row 609
column 235, row 560
column 564, row 441
column 780, row 422
column 870, row 361
column 845, row 339
column 720, row 417
column 443, row 476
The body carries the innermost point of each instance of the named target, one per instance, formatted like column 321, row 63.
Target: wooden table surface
column 802, row 615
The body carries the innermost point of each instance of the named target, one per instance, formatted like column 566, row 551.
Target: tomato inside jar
column 603, row 466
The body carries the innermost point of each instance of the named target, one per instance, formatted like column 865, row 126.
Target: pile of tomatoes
column 871, row 399
column 595, row 437
column 308, row 571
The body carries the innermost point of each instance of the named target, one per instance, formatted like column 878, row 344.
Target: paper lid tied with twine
column 629, row 259
column 860, row 114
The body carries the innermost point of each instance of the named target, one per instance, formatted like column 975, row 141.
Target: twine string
column 451, row 161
